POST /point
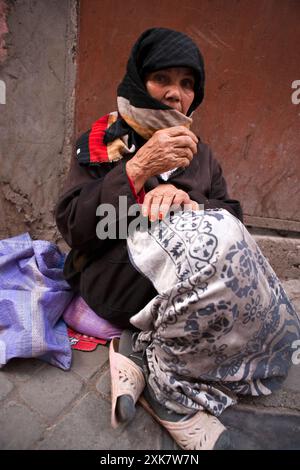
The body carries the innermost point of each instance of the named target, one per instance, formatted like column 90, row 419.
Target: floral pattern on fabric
column 221, row 324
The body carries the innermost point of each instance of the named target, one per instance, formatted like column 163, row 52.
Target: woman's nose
column 173, row 92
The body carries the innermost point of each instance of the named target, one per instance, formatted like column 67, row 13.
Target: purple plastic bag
column 33, row 297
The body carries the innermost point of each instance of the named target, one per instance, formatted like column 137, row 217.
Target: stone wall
column 37, row 53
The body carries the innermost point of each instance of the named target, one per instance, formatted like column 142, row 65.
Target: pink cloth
column 80, row 317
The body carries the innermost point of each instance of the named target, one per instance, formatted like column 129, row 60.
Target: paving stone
column 166, row 442
column 19, row 427
column 87, row 363
column 280, row 399
column 283, row 254
column 143, row 433
column 5, row 386
column 50, row 391
column 256, row 429
column 292, row 288
column 288, row 396
column 20, row 370
column 103, row 384
column 88, row 427
column 292, row 381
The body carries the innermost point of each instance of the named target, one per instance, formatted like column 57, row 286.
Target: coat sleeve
column 85, row 189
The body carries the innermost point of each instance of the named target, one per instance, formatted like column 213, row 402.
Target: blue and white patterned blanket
column 221, row 325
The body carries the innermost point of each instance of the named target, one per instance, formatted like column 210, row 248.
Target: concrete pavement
column 43, row 407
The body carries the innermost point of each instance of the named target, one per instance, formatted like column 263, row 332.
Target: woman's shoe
column 201, row 431
column 127, row 382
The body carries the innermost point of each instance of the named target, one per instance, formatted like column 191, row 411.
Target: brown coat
column 100, row 269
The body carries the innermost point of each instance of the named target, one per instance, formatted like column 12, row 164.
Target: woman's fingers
column 151, row 206
column 185, row 142
column 160, row 207
column 161, row 200
column 185, row 153
column 191, row 206
column 164, row 151
column 195, row 206
column 147, row 204
column 182, row 131
column 165, row 206
column 181, row 197
column 155, row 207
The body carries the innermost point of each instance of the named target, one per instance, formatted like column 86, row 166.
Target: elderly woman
column 206, row 316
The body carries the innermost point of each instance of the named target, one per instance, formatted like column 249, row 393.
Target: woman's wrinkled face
column 173, row 86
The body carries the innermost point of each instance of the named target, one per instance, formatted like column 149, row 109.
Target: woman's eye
column 160, row 78
column 188, row 83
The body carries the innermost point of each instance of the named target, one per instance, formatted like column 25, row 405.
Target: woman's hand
column 157, row 202
column 167, row 149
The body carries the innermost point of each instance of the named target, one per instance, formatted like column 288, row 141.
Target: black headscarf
column 155, row 49
column 139, row 114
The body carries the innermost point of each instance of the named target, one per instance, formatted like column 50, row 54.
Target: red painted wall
column 3, row 30
column 251, row 50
